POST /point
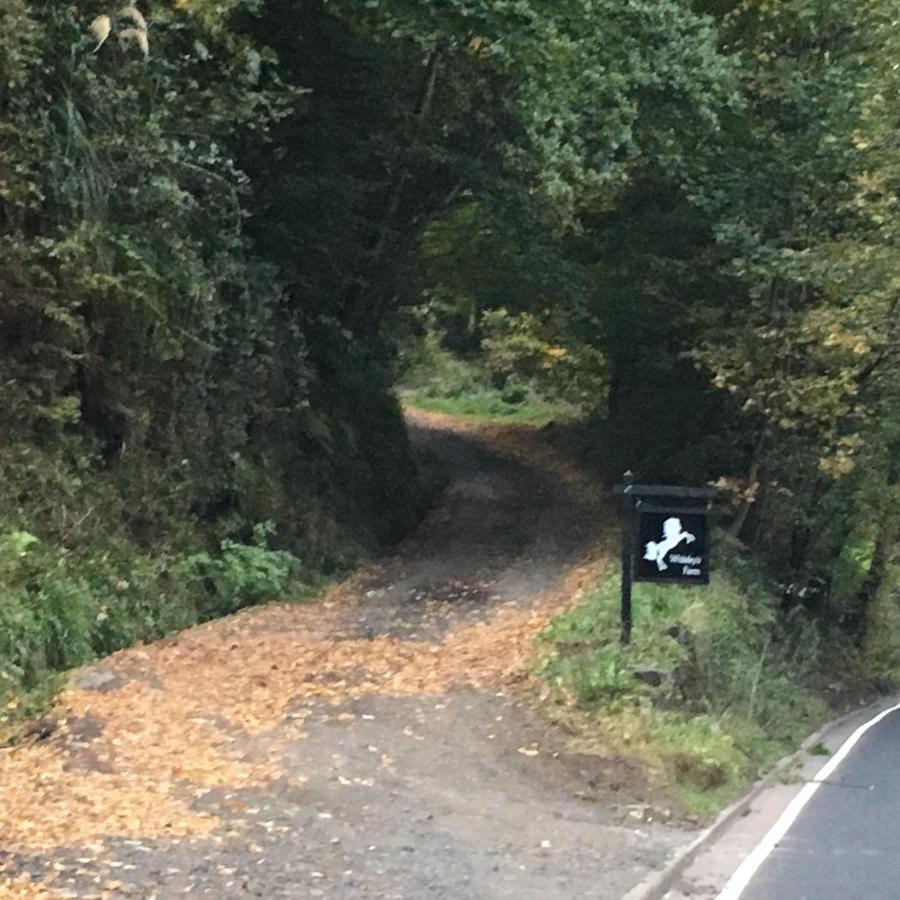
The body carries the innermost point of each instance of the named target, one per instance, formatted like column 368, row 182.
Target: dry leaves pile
column 22, row 888
column 168, row 730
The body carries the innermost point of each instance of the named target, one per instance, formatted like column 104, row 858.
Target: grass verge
column 489, row 405
column 712, row 691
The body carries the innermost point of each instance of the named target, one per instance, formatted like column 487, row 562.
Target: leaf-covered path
column 375, row 743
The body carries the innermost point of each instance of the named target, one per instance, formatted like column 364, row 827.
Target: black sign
column 665, row 543
column 672, row 545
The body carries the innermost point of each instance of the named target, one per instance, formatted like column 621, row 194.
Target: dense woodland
column 221, row 221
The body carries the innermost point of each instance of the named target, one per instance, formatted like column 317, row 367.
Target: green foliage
column 240, row 575
column 677, row 218
column 169, row 375
column 62, row 608
column 433, row 377
column 45, row 612
column 537, row 350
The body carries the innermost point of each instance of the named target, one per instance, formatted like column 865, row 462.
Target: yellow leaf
column 837, row 466
column 136, row 16
column 100, row 29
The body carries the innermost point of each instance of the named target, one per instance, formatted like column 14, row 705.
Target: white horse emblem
column 672, row 537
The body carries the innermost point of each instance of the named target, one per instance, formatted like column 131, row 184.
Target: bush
column 45, row 613
column 171, row 373
column 241, row 575
column 60, row 609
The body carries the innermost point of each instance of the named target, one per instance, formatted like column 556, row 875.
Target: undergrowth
column 61, row 608
column 436, row 379
column 713, row 689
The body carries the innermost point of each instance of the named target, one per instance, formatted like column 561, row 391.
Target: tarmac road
column 845, row 843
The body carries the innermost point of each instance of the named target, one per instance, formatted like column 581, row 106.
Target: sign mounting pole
column 627, row 556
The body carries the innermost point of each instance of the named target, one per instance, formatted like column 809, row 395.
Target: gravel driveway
column 377, row 743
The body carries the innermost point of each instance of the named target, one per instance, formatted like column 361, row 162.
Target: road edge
column 655, row 886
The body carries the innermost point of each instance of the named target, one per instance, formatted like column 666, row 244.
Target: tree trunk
column 737, row 526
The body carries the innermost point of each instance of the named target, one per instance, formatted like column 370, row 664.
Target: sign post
column 627, row 554
column 665, row 537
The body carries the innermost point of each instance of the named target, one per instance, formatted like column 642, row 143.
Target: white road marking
column 742, row 876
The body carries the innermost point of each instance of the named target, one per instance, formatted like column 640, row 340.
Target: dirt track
column 378, row 743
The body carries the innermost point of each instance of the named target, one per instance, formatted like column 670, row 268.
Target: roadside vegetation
column 715, row 687
column 59, row 610
column 230, row 228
